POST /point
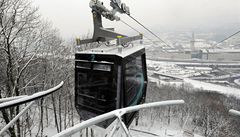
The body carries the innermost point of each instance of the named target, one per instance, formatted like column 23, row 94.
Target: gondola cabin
column 109, row 78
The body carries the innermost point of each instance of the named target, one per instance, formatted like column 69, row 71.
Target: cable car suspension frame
column 102, row 34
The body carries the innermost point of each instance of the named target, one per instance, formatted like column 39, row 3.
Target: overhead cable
column 130, row 26
column 138, row 31
column 149, row 30
column 227, row 38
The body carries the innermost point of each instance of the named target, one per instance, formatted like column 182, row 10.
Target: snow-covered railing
column 15, row 101
column 116, row 113
column 234, row 112
column 16, row 118
column 11, row 98
column 30, row 98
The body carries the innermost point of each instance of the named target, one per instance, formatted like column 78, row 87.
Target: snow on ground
column 170, row 68
column 229, row 91
column 199, row 68
column 173, row 69
column 163, row 132
column 237, row 81
column 174, row 83
column 213, row 87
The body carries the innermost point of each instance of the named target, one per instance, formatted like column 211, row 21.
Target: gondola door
column 135, row 83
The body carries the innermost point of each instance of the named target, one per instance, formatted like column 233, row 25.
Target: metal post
column 141, row 41
column 124, row 127
column 16, row 118
column 119, row 115
column 115, row 128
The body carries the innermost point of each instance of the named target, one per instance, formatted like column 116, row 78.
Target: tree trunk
column 55, row 113
column 40, row 127
column 6, row 119
column 46, row 112
column 65, row 113
column 72, row 109
column 92, row 133
column 169, row 115
column 59, row 111
column 28, row 125
column 17, row 112
column 87, row 132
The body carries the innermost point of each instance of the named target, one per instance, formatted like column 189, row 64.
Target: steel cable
column 149, row 30
column 139, row 32
column 227, row 38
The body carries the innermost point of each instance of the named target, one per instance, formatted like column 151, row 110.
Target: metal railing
column 5, row 103
column 118, row 114
column 25, row 99
column 16, row 118
column 2, row 100
column 234, row 112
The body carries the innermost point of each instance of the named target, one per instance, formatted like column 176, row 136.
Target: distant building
column 197, row 54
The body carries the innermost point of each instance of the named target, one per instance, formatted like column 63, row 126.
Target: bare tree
column 20, row 39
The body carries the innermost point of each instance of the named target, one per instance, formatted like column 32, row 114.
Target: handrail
column 2, row 100
column 116, row 113
column 16, row 118
column 30, row 98
column 234, row 112
column 18, row 100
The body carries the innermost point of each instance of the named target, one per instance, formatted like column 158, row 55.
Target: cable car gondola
column 109, row 78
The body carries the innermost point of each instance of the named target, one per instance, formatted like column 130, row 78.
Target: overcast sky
column 73, row 17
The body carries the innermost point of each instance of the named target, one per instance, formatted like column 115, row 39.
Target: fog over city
column 73, row 17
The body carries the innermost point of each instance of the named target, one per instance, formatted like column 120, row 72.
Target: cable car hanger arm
column 117, row 6
column 102, row 34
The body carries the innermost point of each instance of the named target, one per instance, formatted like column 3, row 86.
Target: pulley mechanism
column 102, row 34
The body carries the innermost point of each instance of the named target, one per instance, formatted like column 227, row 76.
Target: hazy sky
column 73, row 17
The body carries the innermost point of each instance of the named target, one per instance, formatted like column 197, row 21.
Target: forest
column 204, row 113
column 33, row 58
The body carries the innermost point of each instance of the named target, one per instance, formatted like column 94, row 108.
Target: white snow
column 172, row 70
column 162, row 132
column 213, row 87
column 237, row 81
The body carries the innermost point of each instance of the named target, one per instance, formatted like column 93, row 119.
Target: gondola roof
column 114, row 50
